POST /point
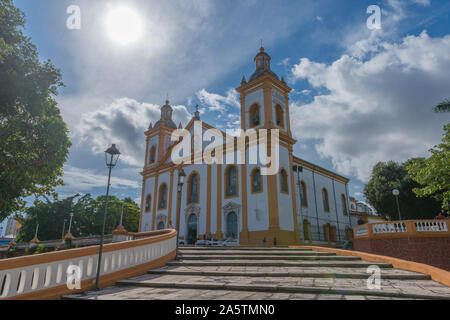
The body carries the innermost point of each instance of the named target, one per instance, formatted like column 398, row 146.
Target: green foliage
column 87, row 219
column 433, row 174
column 40, row 249
column 389, row 176
column 444, row 106
column 34, row 142
column 11, row 251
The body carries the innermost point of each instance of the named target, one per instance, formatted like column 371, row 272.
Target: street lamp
column 70, row 223
column 64, row 228
column 182, row 176
column 111, row 157
column 396, row 193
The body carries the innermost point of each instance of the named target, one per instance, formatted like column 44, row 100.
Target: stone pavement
column 269, row 274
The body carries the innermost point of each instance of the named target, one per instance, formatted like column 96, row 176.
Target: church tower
column 158, row 137
column 265, row 105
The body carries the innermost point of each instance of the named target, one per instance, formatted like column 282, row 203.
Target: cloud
column 78, row 180
column 376, row 109
column 217, row 102
column 425, row 3
column 123, row 122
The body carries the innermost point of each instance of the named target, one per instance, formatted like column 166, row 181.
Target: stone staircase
column 269, row 274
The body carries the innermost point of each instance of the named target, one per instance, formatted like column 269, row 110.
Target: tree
column 389, row 176
column 34, row 141
column 87, row 219
column 433, row 174
column 444, row 106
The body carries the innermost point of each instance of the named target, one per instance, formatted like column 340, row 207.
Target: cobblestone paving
column 259, row 278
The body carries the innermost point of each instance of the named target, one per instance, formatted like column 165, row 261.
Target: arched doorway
column 232, row 225
column 161, row 226
column 192, row 229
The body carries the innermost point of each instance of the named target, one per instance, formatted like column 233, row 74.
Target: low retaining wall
column 426, row 242
column 44, row 276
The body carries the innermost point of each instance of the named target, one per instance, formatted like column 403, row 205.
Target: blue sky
column 360, row 96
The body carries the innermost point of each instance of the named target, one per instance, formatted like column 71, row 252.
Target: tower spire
column 197, row 113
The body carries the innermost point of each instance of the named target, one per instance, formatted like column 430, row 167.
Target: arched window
column 148, row 203
column 152, row 155
column 255, row 116
column 256, row 181
column 344, row 205
column 326, row 202
column 193, row 188
column 284, row 181
column 161, row 226
column 231, row 181
column 163, row 196
column 303, row 194
column 280, row 116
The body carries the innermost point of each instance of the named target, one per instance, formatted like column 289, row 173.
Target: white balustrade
column 33, row 278
column 431, row 226
column 392, row 227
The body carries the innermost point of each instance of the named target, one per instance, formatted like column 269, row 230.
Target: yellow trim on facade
column 169, row 214
column 155, row 195
column 208, row 200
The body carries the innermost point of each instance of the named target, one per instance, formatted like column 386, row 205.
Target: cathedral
column 244, row 202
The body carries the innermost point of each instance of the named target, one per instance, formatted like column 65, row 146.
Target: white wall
column 147, row 216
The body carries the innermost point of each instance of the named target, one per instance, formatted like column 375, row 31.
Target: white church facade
column 228, row 199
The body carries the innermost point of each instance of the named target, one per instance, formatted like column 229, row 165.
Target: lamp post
column 121, row 215
column 182, row 176
column 111, row 157
column 70, row 223
column 396, row 193
column 64, row 228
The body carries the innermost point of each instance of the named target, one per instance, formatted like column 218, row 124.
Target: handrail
column 401, row 229
column 45, row 275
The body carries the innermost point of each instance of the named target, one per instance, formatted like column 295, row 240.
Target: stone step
column 269, row 263
column 268, row 257
column 255, row 252
column 275, row 274
column 143, row 293
column 329, row 288
column 200, row 248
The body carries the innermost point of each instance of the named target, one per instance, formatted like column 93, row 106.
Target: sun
column 124, row 25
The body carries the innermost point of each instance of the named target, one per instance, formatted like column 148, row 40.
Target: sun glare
column 124, row 26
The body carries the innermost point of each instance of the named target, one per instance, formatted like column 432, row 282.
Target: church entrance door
column 232, row 226
column 192, row 229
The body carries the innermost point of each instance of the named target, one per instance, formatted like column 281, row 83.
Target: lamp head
column 395, row 192
column 114, row 154
column 182, row 176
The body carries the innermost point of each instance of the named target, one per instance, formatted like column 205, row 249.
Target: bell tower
column 158, row 136
column 265, row 105
column 265, row 98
